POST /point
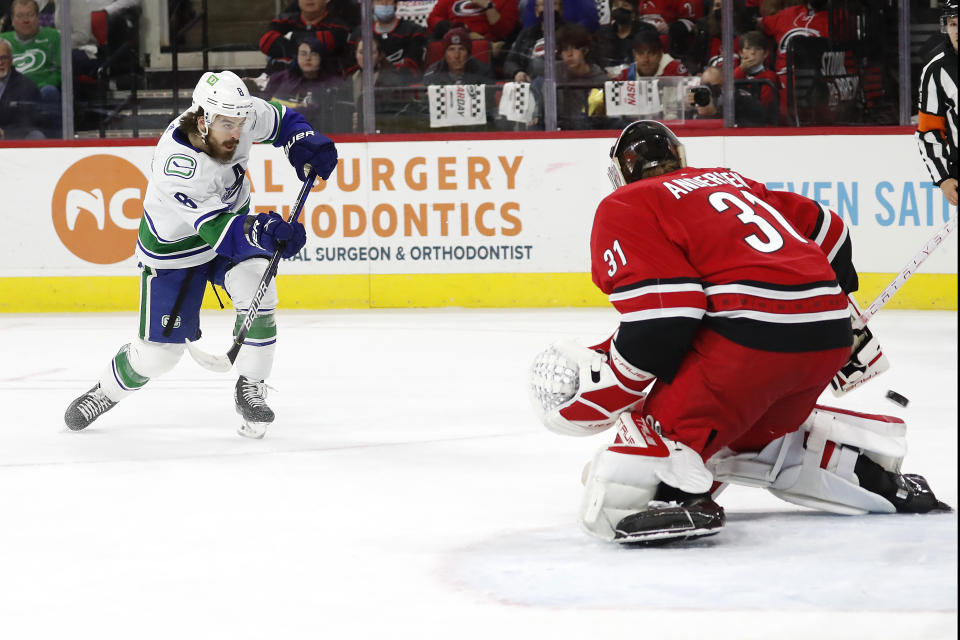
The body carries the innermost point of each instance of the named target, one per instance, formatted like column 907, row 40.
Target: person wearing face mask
column 525, row 59
column 613, row 43
column 808, row 19
column 401, row 43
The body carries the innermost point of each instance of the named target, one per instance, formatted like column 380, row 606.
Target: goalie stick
column 904, row 275
column 225, row 362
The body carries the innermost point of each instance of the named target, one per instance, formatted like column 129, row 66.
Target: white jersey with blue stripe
column 192, row 198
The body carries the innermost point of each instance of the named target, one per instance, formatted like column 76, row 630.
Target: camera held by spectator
column 702, row 96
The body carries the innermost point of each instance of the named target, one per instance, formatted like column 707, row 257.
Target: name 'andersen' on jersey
column 193, row 199
column 765, row 269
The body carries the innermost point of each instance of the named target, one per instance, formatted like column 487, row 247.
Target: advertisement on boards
column 460, row 207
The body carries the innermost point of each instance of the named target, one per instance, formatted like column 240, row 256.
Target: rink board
column 500, row 221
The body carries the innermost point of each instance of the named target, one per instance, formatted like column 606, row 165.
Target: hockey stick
column 907, row 271
column 225, row 362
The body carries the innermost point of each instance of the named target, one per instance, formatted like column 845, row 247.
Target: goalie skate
column 87, row 408
column 672, row 516
column 250, row 397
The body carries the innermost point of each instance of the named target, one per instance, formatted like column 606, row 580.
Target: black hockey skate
column 87, row 408
column 250, row 397
column 909, row 493
column 672, row 516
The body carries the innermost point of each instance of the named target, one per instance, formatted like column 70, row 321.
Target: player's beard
column 223, row 151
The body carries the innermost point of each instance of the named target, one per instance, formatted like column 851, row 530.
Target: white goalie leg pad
column 622, row 479
column 242, row 281
column 575, row 392
column 814, row 466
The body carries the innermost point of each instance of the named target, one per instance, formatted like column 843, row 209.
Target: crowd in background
column 314, row 54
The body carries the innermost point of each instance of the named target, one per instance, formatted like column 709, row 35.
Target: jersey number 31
column 722, row 201
column 611, row 259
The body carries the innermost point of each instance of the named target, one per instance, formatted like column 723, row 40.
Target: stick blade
column 220, row 364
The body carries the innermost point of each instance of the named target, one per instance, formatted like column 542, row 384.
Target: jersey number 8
column 185, row 200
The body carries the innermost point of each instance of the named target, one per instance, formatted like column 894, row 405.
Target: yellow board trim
column 497, row 290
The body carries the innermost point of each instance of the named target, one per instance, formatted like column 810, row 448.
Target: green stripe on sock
column 128, row 376
column 263, row 327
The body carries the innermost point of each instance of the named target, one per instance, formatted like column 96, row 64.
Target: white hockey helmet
column 222, row 93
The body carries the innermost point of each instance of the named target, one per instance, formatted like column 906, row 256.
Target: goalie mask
column 221, row 93
column 642, row 145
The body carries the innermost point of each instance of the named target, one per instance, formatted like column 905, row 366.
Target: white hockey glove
column 575, row 391
column 866, row 360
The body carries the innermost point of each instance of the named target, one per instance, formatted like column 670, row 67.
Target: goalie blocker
column 866, row 358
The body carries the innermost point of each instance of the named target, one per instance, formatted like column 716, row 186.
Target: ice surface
column 407, row 491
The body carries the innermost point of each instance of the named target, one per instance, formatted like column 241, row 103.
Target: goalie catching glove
column 866, row 359
column 580, row 391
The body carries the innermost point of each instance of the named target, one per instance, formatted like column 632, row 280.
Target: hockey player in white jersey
column 197, row 228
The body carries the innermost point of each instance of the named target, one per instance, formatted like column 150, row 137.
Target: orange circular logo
column 97, row 205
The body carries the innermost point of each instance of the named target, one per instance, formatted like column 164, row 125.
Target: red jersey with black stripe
column 793, row 22
column 709, row 248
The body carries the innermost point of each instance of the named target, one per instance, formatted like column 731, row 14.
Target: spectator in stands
column 46, row 14
column 493, row 20
column 708, row 48
column 36, row 49
column 85, row 17
column 754, row 53
column 650, row 60
column 313, row 18
column 402, row 43
column 707, row 101
column 577, row 77
column 303, row 83
column 582, row 12
column 807, row 19
column 657, row 13
column 613, row 43
column 36, row 54
column 682, row 27
column 385, row 74
column 19, row 97
column 457, row 65
column 525, row 60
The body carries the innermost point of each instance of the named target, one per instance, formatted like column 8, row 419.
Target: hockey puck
column 896, row 398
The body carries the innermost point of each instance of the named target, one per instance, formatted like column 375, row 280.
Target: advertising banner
column 459, row 207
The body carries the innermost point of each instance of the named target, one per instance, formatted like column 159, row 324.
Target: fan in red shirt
column 809, row 19
column 650, row 60
column 314, row 19
column 733, row 305
column 493, row 20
